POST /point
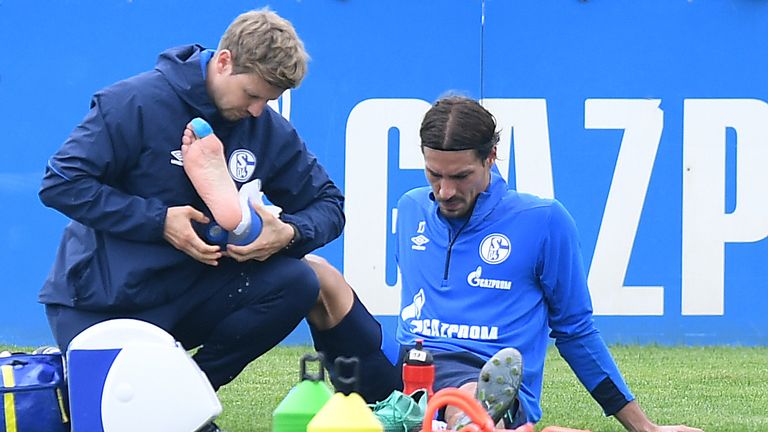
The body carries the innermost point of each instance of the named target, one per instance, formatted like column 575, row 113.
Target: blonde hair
column 266, row 44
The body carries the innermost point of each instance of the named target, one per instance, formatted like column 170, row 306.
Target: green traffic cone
column 304, row 400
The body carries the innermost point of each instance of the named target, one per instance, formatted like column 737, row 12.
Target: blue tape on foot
column 201, row 127
column 251, row 234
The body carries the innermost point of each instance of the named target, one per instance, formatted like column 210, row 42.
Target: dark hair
column 459, row 123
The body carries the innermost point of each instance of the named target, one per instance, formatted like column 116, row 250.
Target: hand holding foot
column 275, row 235
column 179, row 233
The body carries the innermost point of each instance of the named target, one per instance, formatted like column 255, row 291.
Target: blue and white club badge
column 494, row 248
column 242, row 164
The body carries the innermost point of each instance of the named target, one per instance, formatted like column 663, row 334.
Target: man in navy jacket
column 132, row 249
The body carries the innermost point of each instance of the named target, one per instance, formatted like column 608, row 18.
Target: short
column 454, row 369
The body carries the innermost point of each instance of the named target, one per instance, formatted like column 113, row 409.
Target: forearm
column 317, row 225
column 594, row 366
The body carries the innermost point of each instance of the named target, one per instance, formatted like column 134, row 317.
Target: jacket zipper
column 450, row 248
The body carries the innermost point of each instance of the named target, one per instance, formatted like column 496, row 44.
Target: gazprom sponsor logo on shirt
column 242, row 164
column 474, row 279
column 437, row 328
column 494, row 248
column 413, row 310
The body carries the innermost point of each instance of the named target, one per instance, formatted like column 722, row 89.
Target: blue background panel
column 372, row 62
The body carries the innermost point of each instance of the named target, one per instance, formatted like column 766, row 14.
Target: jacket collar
column 181, row 67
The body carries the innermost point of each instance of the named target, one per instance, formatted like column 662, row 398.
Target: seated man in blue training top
column 502, row 271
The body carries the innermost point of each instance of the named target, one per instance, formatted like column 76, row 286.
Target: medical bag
column 34, row 393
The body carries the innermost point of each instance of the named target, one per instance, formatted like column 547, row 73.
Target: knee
column 327, row 275
column 299, row 279
column 335, row 297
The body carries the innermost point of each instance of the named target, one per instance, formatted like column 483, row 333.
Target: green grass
column 713, row 388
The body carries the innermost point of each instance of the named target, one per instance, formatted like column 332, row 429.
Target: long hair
column 459, row 123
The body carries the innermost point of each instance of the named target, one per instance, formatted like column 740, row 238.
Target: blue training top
column 508, row 277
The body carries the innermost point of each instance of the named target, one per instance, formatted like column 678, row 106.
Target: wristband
column 295, row 237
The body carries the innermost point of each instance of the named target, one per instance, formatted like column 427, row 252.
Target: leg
column 237, row 312
column 67, row 322
column 336, row 296
column 342, row 327
column 514, row 417
column 248, row 317
column 206, row 167
column 453, row 414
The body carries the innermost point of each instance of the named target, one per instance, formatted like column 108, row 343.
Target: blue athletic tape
column 251, row 234
column 216, row 235
column 201, row 127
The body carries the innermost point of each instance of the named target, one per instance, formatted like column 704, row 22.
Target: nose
column 255, row 109
column 446, row 189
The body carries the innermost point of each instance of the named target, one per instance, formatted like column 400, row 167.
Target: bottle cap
column 418, row 355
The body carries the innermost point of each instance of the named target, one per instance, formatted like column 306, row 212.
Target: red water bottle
column 418, row 370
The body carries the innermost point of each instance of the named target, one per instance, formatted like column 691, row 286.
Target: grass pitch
column 713, row 388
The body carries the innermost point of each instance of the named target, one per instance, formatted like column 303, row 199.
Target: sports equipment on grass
column 127, row 375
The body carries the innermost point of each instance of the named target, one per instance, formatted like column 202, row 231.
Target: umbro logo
column 418, row 242
column 177, row 158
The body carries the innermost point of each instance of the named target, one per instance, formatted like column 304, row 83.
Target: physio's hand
column 179, row 233
column 275, row 235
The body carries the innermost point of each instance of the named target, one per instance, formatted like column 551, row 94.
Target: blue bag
column 34, row 393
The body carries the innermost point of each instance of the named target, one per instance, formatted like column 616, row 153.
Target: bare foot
column 206, row 167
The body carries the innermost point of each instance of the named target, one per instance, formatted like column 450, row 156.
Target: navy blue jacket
column 117, row 174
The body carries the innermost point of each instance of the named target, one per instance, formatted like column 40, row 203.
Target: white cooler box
column 129, row 375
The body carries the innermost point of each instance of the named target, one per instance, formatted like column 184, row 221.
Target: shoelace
column 397, row 415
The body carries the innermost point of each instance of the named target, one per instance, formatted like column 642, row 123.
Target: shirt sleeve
column 577, row 339
column 79, row 181
column 309, row 198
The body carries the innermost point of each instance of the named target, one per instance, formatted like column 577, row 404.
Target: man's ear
column 224, row 61
column 491, row 156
